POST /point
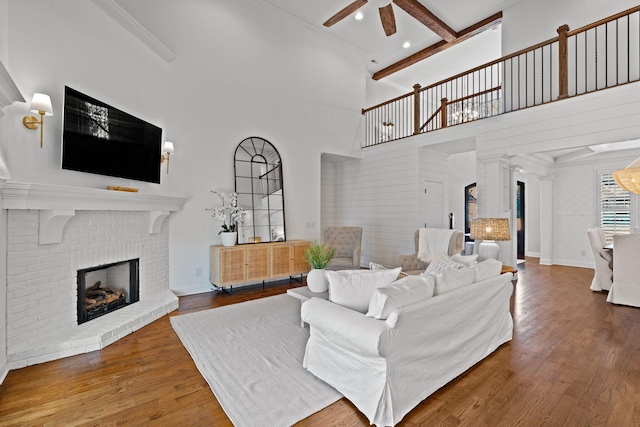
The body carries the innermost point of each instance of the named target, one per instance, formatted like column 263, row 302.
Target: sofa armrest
column 343, row 327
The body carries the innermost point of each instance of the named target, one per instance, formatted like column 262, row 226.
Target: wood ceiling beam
column 424, row 15
column 425, row 53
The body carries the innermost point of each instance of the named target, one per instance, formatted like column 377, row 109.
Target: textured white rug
column 251, row 356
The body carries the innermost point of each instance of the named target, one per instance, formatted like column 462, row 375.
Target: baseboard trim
column 572, row 263
column 4, row 370
column 192, row 290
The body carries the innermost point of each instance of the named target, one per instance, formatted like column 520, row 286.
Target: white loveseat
column 386, row 367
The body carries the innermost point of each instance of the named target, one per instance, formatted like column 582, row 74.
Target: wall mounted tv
column 98, row 138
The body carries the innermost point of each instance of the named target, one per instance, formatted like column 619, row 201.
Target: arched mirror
column 258, row 172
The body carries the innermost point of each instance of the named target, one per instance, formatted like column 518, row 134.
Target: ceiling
column 367, row 35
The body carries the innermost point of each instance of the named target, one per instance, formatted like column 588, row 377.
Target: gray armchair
column 412, row 265
column 347, row 241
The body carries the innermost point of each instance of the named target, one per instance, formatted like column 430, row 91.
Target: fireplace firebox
column 106, row 288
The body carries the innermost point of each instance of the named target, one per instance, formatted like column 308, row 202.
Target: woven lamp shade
column 490, row 229
column 629, row 178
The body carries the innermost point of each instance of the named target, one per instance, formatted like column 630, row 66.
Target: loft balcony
column 598, row 56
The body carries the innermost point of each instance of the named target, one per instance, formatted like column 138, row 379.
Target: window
column 615, row 208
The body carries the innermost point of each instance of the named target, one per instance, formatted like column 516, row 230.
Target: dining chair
column 602, row 260
column 625, row 289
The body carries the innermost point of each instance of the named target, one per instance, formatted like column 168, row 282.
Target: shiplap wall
column 378, row 193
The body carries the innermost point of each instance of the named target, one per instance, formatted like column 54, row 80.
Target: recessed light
column 359, row 16
column 406, row 44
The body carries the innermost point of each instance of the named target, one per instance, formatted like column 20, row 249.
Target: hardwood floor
column 574, row 360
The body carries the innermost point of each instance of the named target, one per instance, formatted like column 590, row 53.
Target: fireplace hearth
column 106, row 288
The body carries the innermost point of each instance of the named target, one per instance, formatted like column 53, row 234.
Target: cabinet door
column 299, row 264
column 233, row 266
column 258, row 266
column 280, row 259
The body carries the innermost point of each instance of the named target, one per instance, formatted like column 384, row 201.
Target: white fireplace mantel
column 58, row 204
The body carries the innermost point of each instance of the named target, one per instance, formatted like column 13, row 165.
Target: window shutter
column 615, row 208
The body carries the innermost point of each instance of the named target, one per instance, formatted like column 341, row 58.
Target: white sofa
column 387, row 367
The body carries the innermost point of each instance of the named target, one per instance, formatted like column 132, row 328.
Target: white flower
column 229, row 207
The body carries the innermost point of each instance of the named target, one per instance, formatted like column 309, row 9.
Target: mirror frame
column 265, row 178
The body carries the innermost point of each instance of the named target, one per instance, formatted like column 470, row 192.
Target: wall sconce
column 167, row 150
column 40, row 104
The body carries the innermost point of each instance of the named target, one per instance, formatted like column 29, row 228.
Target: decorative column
column 546, row 219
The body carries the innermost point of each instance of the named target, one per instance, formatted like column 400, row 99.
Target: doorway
column 433, row 204
column 520, row 214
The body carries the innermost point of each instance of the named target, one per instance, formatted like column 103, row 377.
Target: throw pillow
column 451, row 280
column 464, row 259
column 375, row 266
column 408, row 290
column 441, row 263
column 353, row 288
column 487, row 269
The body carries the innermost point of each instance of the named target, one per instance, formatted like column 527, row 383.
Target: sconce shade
column 41, row 104
column 490, row 229
column 629, row 178
column 168, row 147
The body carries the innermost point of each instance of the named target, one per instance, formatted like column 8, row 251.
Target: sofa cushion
column 464, row 259
column 453, row 279
column 487, row 269
column 441, row 263
column 353, row 288
column 405, row 291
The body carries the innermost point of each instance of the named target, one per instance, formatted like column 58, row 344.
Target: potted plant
column 318, row 257
column 231, row 212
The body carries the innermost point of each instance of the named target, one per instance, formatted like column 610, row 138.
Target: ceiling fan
column 387, row 17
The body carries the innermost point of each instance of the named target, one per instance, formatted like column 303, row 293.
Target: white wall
column 78, row 45
column 576, row 202
column 530, row 22
column 380, row 193
column 4, row 44
column 241, row 70
column 244, row 70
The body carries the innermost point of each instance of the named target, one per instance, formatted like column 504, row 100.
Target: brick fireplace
column 52, row 233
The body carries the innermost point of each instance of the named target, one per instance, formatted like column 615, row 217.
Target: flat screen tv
column 98, row 138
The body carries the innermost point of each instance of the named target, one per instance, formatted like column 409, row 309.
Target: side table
column 509, row 269
column 303, row 293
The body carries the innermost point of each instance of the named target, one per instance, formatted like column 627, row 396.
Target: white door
column 433, row 205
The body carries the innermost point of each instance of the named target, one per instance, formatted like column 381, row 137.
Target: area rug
column 250, row 354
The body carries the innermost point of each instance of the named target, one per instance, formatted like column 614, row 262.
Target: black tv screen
column 98, row 138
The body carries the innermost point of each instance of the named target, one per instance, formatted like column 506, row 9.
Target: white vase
column 229, row 238
column 316, row 281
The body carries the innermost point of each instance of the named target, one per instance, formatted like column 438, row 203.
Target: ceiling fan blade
column 345, row 12
column 388, row 19
column 424, row 15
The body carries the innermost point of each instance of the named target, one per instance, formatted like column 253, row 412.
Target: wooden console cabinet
column 257, row 262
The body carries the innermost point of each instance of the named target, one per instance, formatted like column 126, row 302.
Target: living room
column 264, row 73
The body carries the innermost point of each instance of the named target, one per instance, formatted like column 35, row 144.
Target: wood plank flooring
column 574, row 361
